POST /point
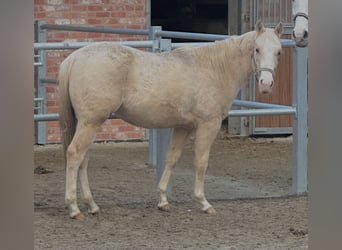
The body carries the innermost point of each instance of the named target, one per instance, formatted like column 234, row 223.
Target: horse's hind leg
column 87, row 196
column 76, row 154
column 179, row 137
column 205, row 136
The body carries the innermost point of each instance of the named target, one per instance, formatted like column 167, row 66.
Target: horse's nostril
column 293, row 34
column 272, row 84
column 306, row 34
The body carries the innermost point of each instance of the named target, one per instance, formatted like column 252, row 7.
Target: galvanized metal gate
column 270, row 12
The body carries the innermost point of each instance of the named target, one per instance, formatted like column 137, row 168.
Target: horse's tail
column 67, row 117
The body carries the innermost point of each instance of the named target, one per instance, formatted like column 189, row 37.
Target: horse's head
column 267, row 50
column 301, row 19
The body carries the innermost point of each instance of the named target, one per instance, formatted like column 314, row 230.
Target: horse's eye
column 257, row 50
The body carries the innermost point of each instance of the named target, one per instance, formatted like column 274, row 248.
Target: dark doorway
column 203, row 16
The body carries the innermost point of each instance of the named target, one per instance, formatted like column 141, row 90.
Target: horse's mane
column 216, row 54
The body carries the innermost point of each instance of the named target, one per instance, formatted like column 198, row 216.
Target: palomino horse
column 189, row 89
column 301, row 19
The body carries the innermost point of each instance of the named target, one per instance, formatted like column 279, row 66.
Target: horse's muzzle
column 301, row 42
column 265, row 87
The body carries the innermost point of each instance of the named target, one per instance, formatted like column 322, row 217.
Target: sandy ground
column 248, row 182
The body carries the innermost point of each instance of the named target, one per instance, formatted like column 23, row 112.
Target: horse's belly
column 155, row 117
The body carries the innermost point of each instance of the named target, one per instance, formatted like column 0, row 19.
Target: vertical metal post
column 159, row 139
column 244, row 121
column 300, row 126
column 41, row 87
column 152, row 133
column 148, row 13
column 243, row 17
column 162, row 140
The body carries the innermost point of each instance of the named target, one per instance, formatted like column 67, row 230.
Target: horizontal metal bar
column 136, row 44
column 208, row 37
column 45, row 117
column 274, row 130
column 255, row 112
column 287, row 43
column 48, row 80
column 55, row 117
column 77, row 45
column 94, row 29
column 38, row 99
column 258, row 105
column 190, row 35
column 178, row 45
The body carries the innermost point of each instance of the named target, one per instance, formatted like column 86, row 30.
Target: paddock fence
column 160, row 41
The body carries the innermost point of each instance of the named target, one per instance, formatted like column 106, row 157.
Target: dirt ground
column 248, row 182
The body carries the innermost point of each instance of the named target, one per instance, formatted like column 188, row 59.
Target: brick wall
column 99, row 13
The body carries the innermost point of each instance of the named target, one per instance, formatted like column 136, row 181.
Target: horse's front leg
column 205, row 136
column 178, row 140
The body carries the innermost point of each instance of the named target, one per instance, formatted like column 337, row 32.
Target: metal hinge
column 246, row 122
column 246, row 18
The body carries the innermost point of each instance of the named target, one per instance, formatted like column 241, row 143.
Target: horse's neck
column 230, row 57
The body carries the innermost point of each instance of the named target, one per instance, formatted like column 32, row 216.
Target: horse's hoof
column 210, row 210
column 165, row 207
column 94, row 211
column 79, row 217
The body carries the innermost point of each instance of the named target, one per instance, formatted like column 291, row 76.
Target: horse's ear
column 278, row 29
column 259, row 27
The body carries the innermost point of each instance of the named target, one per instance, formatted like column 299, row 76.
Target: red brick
column 61, row 35
column 95, row 8
column 94, row 35
column 129, row 7
column 140, row 8
column 119, row 14
column 112, row 21
column 82, row 8
column 41, row 15
column 103, row 136
column 126, row 128
column 117, row 122
column 37, row 2
column 94, row 21
column 70, row 1
column 136, row 135
column 102, row 14
column 52, row 110
column 78, row 35
column 50, row 89
column 53, row 124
